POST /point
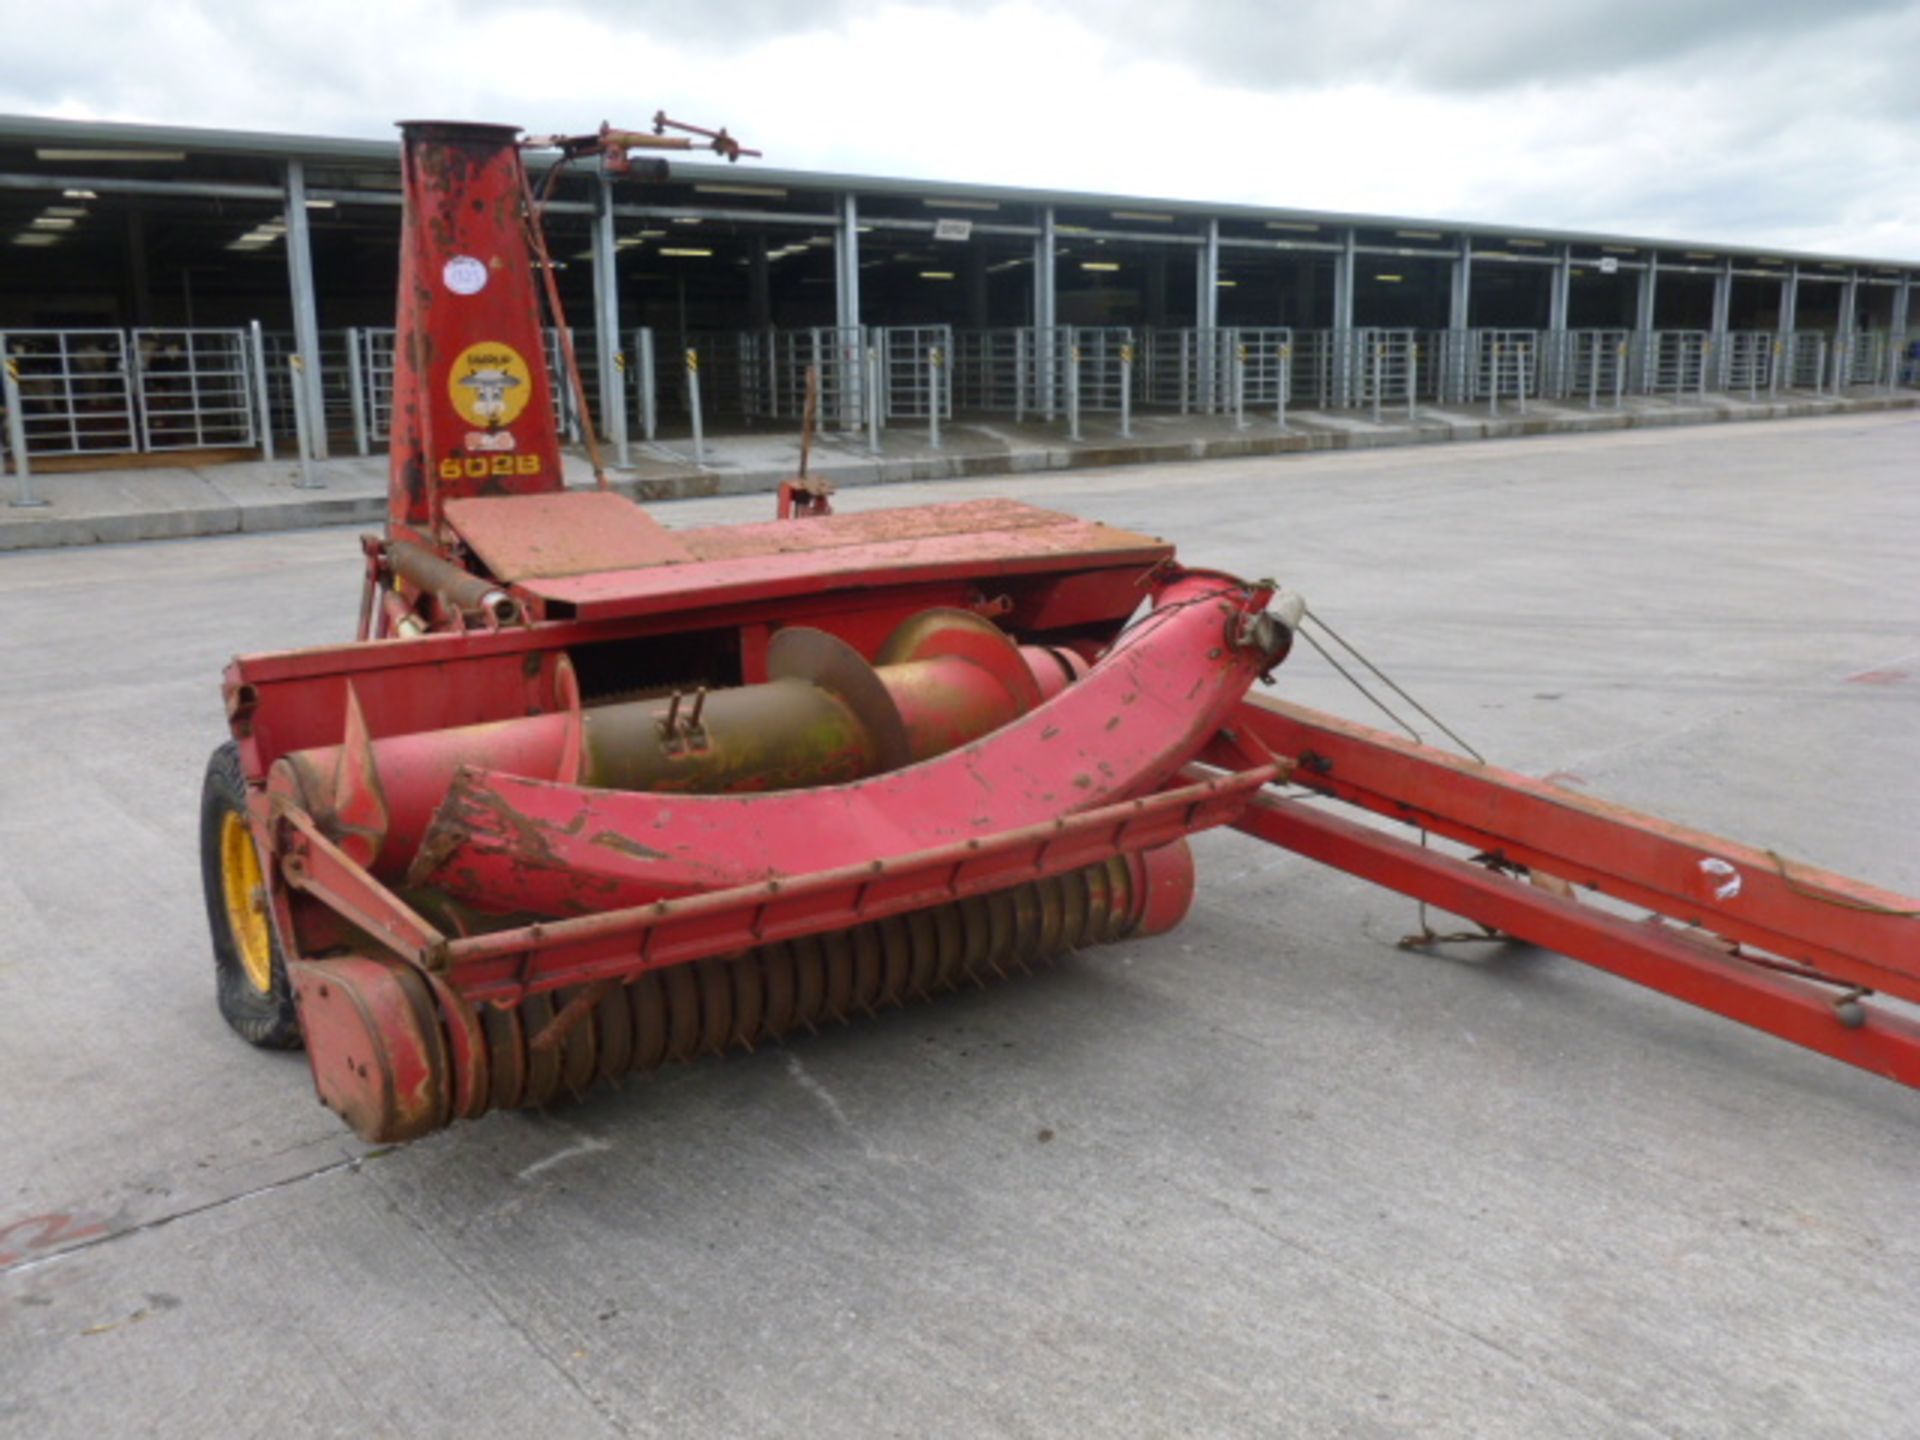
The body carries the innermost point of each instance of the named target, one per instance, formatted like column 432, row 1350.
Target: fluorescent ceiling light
column 51, row 222
column 77, row 212
column 961, row 204
column 686, row 219
column 1390, row 279
column 1419, row 234
column 1099, row 265
column 689, row 254
column 320, row 204
column 1526, row 244
column 1225, row 284
column 37, row 237
column 1290, row 225
column 772, row 192
column 1620, row 249
column 1070, row 229
column 1699, row 255
column 1142, row 215
column 135, row 156
column 651, row 234
column 79, row 195
column 936, row 274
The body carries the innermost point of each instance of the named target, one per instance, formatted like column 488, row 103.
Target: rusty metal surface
column 1144, row 710
column 375, row 1044
column 394, row 1068
column 1861, row 933
column 470, row 411
column 825, row 716
column 1874, row 1038
column 1790, row 949
column 575, row 532
column 978, row 538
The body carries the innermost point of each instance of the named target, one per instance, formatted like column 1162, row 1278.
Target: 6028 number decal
column 479, row 467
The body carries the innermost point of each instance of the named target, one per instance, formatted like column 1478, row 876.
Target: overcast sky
column 1793, row 123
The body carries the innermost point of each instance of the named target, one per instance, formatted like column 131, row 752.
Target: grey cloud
column 1468, row 45
column 707, row 22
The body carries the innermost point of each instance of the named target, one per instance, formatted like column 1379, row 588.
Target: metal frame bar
column 1828, row 941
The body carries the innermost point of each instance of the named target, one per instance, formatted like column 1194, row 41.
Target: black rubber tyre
column 260, row 1017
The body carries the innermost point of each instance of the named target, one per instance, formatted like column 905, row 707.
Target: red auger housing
column 588, row 794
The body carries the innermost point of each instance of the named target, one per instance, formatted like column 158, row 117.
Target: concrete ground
column 1266, row 1175
column 168, row 502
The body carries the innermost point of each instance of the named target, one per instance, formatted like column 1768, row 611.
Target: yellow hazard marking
column 693, row 359
column 489, row 385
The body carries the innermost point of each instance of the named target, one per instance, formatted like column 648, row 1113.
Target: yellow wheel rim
column 245, row 888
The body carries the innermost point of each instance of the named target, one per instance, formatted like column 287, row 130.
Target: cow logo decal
column 489, row 385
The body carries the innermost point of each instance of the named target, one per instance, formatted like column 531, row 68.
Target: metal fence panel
column 1594, row 365
column 993, row 370
column 723, row 369
column 1377, row 368
column 1749, row 362
column 1867, row 358
column 1676, row 362
column 194, row 389
column 1805, row 363
column 913, row 363
column 774, row 382
column 1264, row 355
column 76, row 391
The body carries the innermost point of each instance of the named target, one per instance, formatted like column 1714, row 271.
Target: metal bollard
column 873, row 400
column 1820, row 367
column 1619, row 373
column 1376, row 381
column 622, row 445
column 260, row 390
column 1413, row 375
column 1773, row 371
column 1239, row 387
column 1126, row 391
column 693, row 405
column 1073, row 392
column 1286, row 382
column 1706, row 355
column 933, row 397
column 1020, row 376
column 357, row 391
column 302, row 424
column 24, row 498
column 1593, row 379
column 649, row 403
column 1493, row 400
column 1522, row 354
